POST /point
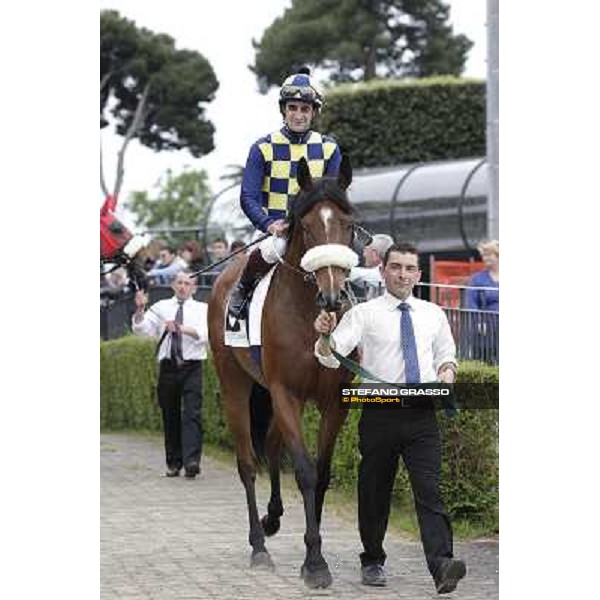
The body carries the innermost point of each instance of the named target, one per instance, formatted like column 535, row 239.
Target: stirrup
column 238, row 304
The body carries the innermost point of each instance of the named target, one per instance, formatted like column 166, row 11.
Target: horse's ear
column 345, row 174
column 303, row 175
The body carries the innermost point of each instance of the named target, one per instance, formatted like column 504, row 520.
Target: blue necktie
column 409, row 346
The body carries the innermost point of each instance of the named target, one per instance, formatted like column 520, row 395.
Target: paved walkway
column 164, row 539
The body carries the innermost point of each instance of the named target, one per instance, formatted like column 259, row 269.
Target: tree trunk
column 135, row 124
column 370, row 63
column 103, row 185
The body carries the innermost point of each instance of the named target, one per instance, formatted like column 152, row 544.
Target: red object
column 451, row 272
column 113, row 234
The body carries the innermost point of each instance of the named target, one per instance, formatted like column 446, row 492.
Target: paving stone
column 171, row 538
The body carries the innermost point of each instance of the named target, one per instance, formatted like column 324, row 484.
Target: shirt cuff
column 331, row 362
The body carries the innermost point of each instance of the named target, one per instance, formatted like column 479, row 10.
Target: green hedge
column 394, row 122
column 469, row 440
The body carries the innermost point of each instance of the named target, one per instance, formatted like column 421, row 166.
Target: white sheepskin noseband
column 135, row 244
column 329, row 255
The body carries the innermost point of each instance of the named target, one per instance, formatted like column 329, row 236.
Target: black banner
column 422, row 395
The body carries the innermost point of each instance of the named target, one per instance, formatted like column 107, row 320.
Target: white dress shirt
column 374, row 328
column 194, row 316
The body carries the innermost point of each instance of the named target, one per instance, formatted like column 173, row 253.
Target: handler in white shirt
column 181, row 325
column 402, row 340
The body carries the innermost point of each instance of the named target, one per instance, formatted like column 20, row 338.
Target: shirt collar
column 392, row 302
column 295, row 138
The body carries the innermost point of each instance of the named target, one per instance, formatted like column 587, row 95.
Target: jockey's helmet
column 300, row 86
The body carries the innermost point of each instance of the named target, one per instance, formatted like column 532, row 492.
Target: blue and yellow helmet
column 300, row 87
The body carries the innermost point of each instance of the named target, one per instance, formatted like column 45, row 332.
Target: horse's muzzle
column 331, row 302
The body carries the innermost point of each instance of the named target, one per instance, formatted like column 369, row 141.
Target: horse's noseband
column 329, row 255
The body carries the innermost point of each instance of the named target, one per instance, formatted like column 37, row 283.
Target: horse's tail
column 261, row 413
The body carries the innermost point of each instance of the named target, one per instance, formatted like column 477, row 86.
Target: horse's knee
column 246, row 471
column 323, row 476
column 306, row 473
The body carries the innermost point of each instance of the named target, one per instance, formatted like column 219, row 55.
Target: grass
column 340, row 503
column 343, row 504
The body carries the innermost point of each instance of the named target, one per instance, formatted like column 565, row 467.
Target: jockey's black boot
column 256, row 268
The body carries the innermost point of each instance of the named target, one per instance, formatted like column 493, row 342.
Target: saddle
column 245, row 333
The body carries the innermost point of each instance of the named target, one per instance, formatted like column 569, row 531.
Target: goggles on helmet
column 294, row 92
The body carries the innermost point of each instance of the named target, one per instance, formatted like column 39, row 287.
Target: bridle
column 361, row 237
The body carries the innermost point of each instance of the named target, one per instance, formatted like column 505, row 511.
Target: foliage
column 389, row 123
column 356, row 40
column 127, row 385
column 469, row 440
column 180, row 83
column 181, row 202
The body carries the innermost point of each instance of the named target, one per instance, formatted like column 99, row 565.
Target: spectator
column 166, row 269
column 117, row 279
column 369, row 276
column 182, row 324
column 191, row 253
column 483, row 326
column 236, row 245
column 487, row 278
column 218, row 250
column 408, row 341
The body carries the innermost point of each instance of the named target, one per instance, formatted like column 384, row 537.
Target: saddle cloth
column 242, row 334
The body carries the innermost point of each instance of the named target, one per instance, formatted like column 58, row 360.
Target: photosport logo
column 456, row 396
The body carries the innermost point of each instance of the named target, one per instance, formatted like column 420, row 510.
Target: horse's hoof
column 270, row 526
column 262, row 560
column 320, row 578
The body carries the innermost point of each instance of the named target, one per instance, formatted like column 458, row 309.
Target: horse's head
column 323, row 216
column 119, row 246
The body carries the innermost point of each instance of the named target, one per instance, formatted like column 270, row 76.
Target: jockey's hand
column 325, row 323
column 277, row 227
column 140, row 300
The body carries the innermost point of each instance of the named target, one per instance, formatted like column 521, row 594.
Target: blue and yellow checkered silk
column 281, row 161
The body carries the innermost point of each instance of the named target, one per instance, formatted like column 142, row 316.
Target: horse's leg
column 236, row 386
column 331, row 423
column 270, row 522
column 288, row 416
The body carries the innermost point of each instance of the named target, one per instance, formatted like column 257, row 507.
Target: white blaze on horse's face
column 326, row 216
column 330, row 257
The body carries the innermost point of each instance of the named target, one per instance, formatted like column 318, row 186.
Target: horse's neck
column 295, row 249
column 293, row 284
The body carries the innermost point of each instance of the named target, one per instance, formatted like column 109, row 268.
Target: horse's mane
column 326, row 188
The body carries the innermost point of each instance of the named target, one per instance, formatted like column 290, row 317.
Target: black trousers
column 180, row 400
column 384, row 436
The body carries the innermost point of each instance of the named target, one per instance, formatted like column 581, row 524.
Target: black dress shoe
column 373, row 575
column 450, row 573
column 191, row 471
column 172, row 472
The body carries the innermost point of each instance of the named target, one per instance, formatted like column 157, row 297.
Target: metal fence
column 475, row 331
column 117, row 306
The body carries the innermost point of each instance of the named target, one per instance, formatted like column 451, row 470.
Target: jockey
column 269, row 182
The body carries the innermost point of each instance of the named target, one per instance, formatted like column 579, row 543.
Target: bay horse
column 321, row 231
